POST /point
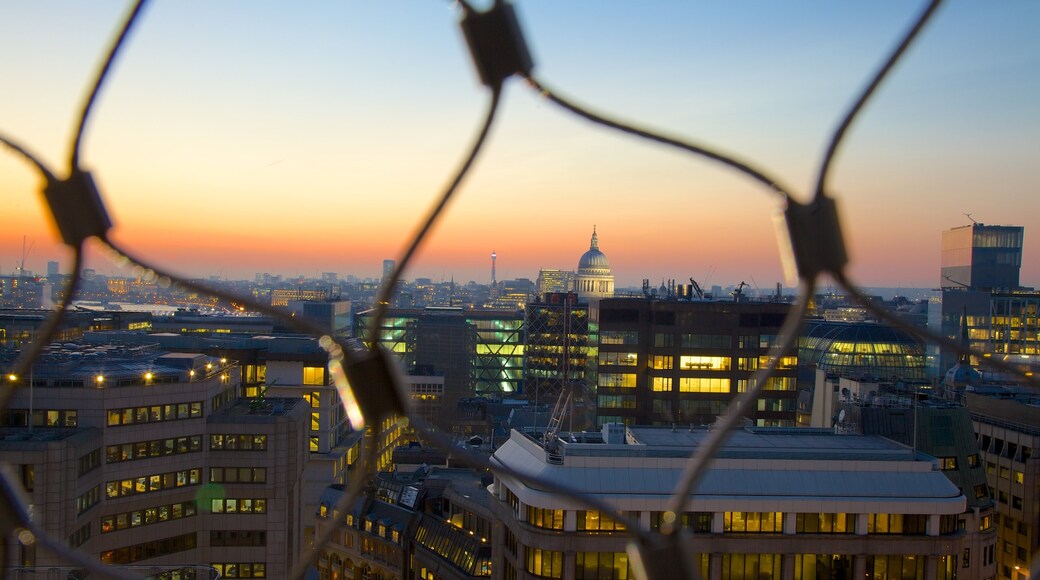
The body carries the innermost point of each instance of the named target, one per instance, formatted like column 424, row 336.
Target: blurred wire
column 741, row 405
column 897, row 53
column 337, row 515
column 701, row 150
column 704, row 454
column 387, row 291
column 101, row 76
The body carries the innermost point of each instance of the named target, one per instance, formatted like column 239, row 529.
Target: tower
column 494, row 281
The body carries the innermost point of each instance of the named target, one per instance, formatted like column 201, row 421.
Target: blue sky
column 266, row 136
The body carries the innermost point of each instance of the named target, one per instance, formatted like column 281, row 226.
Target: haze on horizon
column 299, row 140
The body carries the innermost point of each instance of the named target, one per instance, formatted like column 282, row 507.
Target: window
column 158, row 413
column 88, row 499
column 545, row 518
column 704, row 363
column 238, row 474
column 751, row 566
column 948, row 463
column 706, row 341
column 703, row 385
column 627, row 359
column 90, row 461
column 896, row 524
column 236, row 538
column 241, row 569
column 153, row 448
column 602, row 565
column 661, row 384
column 825, row 523
column 753, row 522
column 617, row 380
column 146, row 516
column 590, row 520
column 660, row 362
column 151, row 483
column 544, row 563
column 240, row 506
column 314, row 375
column 238, row 442
column 149, row 550
column 662, row 340
column 79, row 537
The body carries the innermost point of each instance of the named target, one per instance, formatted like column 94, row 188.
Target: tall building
column 775, row 503
column 679, row 361
column 52, row 269
column 981, row 257
column 593, row 279
column 556, row 356
column 388, row 269
column 981, row 293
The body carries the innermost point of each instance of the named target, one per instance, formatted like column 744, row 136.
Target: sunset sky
column 243, row 137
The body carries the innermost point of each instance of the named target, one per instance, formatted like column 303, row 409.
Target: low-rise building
column 775, row 503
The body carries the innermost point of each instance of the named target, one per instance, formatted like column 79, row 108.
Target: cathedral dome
column 593, row 279
column 593, row 259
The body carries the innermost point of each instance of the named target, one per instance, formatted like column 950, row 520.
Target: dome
column 861, row 349
column 962, row 375
column 593, row 259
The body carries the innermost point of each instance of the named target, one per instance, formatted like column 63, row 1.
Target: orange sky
column 300, row 143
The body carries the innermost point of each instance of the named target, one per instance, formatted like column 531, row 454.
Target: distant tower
column 494, row 281
column 52, row 269
column 388, row 269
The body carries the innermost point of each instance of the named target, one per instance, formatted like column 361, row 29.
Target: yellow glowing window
column 704, row 385
column 661, row 384
column 314, row 375
column 708, row 363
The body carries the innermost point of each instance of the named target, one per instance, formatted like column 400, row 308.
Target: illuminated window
column 314, row 375
column 703, row 385
column 617, row 380
column 708, row 363
column 661, row 384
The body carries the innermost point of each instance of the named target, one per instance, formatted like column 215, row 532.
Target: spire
column 595, row 240
column 964, row 335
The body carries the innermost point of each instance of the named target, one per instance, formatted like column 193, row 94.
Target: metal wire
column 128, row 24
column 704, row 151
column 387, row 291
column 893, row 58
column 704, row 454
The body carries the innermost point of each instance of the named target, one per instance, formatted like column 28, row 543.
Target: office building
column 981, row 257
column 477, row 352
column 981, row 292
column 139, row 456
column 551, row 280
column 940, row 428
column 775, row 503
column 679, row 361
column 1007, row 424
column 557, row 355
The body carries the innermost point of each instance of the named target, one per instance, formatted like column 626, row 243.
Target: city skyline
column 302, row 141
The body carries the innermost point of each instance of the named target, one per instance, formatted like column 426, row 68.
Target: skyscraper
column 981, row 257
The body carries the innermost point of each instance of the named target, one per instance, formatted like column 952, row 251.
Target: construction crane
column 697, row 289
column 738, row 294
